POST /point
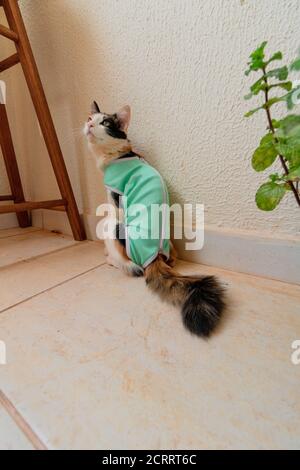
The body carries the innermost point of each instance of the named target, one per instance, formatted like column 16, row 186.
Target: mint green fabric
column 146, row 208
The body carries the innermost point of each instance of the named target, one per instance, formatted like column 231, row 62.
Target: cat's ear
column 95, row 108
column 124, row 116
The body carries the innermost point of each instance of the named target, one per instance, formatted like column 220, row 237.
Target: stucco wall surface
column 180, row 65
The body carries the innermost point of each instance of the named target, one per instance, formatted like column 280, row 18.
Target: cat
column 201, row 298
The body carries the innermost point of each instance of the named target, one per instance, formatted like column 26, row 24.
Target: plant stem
column 281, row 157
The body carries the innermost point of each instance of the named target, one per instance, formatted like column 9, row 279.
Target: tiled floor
column 95, row 361
column 11, row 437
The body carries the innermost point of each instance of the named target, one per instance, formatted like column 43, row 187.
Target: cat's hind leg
column 117, row 257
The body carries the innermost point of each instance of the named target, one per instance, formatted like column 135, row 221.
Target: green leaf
column 276, row 56
column 290, row 125
column 294, row 158
column 294, row 174
column 252, row 111
column 274, row 177
column 266, row 140
column 259, row 52
column 257, row 57
column 272, row 101
column 269, row 196
column 258, row 86
column 287, row 137
column 265, row 155
column 275, row 123
column 284, row 85
column 295, row 66
column 289, row 147
column 290, row 152
column 293, row 97
column 255, row 88
column 248, row 97
column 280, row 73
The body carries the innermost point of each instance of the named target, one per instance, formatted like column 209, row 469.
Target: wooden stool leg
column 12, row 166
column 34, row 83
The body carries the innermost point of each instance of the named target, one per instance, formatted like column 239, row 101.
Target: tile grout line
column 21, row 234
column 21, row 423
column 27, row 260
column 51, row 288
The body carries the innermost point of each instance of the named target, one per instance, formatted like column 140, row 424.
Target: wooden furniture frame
column 17, row 33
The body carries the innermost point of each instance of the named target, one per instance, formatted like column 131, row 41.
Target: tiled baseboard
column 248, row 252
column 8, row 221
column 236, row 250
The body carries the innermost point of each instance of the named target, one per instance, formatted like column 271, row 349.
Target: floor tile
column 100, row 362
column 11, row 437
column 16, row 231
column 15, row 249
column 21, row 281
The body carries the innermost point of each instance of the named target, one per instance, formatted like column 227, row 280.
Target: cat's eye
column 105, row 123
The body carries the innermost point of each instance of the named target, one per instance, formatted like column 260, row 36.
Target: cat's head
column 105, row 129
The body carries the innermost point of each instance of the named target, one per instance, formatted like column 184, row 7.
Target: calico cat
column 126, row 174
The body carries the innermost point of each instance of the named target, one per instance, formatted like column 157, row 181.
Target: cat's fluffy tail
column 201, row 298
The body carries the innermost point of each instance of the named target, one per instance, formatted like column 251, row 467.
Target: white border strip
column 247, row 252
column 236, row 250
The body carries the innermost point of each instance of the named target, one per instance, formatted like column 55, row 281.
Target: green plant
column 282, row 140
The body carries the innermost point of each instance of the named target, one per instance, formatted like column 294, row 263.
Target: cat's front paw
column 110, row 262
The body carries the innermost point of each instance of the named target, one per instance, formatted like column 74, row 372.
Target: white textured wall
column 180, row 64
